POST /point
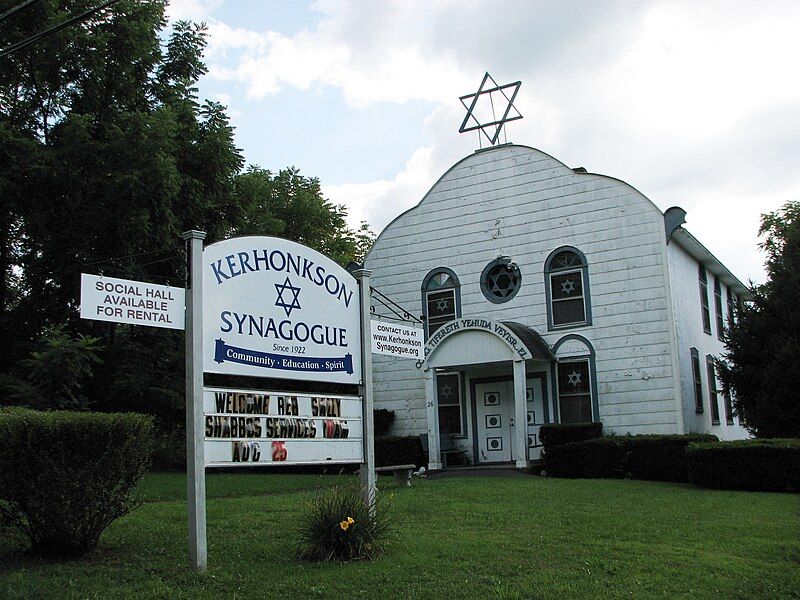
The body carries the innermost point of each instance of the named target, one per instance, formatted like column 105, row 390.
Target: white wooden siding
column 519, row 202
column 685, row 284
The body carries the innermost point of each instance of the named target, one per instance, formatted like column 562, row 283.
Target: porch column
column 520, row 416
column 434, row 457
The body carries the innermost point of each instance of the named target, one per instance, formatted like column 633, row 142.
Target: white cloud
column 195, row 10
column 694, row 104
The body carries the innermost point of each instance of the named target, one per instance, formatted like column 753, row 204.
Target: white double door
column 496, row 420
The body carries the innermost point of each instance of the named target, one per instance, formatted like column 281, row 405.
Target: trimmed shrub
column 599, row 457
column 397, row 450
column 383, row 420
column 65, row 476
column 770, row 465
column 340, row 526
column 558, row 434
column 660, row 457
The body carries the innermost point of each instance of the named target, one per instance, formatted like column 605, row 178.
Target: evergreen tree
column 762, row 366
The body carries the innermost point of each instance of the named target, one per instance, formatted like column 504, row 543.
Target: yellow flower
column 350, row 520
column 344, row 525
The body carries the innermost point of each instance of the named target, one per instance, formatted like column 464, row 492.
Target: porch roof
column 533, row 341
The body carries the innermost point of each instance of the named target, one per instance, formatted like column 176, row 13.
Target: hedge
column 770, row 465
column 397, row 450
column 558, row 434
column 599, row 457
column 660, row 457
column 65, row 476
column 650, row 457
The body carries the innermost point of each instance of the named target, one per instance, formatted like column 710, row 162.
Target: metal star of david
column 568, row 286
column 574, row 378
column 285, row 287
column 441, row 305
column 495, row 125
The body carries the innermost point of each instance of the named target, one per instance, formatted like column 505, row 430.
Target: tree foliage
column 106, row 155
column 762, row 366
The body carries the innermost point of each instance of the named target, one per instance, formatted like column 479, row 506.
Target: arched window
column 441, row 298
column 566, row 280
column 576, row 383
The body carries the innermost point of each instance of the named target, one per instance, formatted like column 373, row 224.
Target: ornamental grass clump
column 338, row 525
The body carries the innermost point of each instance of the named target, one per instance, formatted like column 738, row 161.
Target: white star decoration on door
column 568, row 286
column 574, row 378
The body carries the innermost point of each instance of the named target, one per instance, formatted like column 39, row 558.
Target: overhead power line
column 56, row 28
column 14, row 9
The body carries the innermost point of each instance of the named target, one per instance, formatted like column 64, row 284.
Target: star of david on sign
column 488, row 94
column 287, row 296
column 568, row 286
column 574, row 378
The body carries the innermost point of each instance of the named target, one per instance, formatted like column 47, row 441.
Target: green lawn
column 523, row 537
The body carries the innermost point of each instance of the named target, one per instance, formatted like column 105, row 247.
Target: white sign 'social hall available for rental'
column 133, row 302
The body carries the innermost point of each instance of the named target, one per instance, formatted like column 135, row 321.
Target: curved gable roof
column 506, row 148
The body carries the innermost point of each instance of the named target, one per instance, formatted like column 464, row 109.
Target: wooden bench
column 402, row 473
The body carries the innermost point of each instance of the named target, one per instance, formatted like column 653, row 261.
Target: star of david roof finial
column 473, row 102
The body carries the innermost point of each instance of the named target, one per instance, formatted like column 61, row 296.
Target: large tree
column 762, row 366
column 106, row 155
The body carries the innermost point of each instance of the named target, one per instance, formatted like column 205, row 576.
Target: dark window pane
column 698, row 384
column 576, row 409
column 566, row 286
column 568, row 311
column 573, row 377
column 441, row 304
column 730, row 307
column 718, row 307
column 728, row 409
column 712, row 390
column 704, row 300
column 449, row 420
column 447, row 389
column 565, row 260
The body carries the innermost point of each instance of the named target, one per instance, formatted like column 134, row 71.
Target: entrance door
column 536, row 397
column 494, row 409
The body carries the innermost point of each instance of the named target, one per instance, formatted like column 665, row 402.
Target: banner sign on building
column 396, row 339
column 249, row 428
column 275, row 308
column 133, row 302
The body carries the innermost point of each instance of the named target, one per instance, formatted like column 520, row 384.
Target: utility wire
column 56, row 28
column 14, row 9
column 113, row 258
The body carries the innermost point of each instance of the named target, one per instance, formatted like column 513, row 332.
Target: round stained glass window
column 500, row 280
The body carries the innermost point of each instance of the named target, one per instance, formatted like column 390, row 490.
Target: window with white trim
column 440, row 299
column 704, row 299
column 697, row 381
column 712, row 390
column 718, row 308
column 448, row 393
column 574, row 391
column 567, row 285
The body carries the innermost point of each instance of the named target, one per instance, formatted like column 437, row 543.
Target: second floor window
column 567, row 284
column 704, row 299
column 441, row 300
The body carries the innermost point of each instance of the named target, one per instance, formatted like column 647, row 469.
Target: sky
column 695, row 104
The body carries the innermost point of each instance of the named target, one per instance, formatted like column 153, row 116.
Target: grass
column 524, row 537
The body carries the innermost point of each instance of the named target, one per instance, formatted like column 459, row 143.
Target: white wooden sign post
column 267, row 307
column 195, row 458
